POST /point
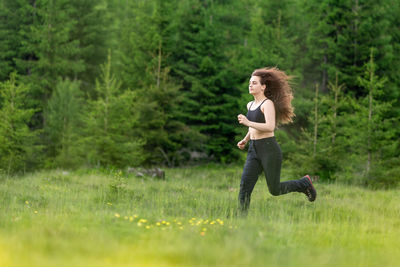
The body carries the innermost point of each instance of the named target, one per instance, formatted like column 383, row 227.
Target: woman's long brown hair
column 279, row 91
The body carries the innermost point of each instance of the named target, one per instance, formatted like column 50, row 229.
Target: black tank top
column 256, row 115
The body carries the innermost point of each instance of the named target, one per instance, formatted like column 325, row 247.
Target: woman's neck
column 259, row 98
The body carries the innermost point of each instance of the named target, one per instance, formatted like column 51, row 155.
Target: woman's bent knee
column 275, row 192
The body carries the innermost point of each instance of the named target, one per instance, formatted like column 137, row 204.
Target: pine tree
column 331, row 148
column 7, row 40
column 368, row 26
column 52, row 39
column 268, row 41
column 209, row 106
column 18, row 144
column 336, row 89
column 340, row 35
column 326, row 22
column 380, row 133
column 93, row 34
column 53, row 46
column 143, row 68
column 16, row 42
column 42, row 50
column 316, row 100
column 112, row 120
column 64, row 124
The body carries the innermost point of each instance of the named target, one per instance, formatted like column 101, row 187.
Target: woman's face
column 255, row 86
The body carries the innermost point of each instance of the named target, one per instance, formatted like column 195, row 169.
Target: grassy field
column 93, row 218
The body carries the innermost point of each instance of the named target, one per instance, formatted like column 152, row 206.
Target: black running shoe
column 310, row 191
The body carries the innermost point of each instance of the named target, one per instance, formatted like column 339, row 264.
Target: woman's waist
column 262, row 139
column 256, row 135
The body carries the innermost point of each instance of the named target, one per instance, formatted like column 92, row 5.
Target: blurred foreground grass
column 93, row 218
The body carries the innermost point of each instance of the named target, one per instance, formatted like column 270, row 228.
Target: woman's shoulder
column 249, row 104
column 268, row 103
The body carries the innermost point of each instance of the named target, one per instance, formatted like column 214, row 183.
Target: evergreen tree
column 391, row 65
column 42, row 48
column 356, row 140
column 208, row 105
column 269, row 41
column 15, row 19
column 368, row 26
column 92, row 32
column 18, row 144
column 340, row 35
column 326, row 20
column 64, row 119
column 54, row 48
column 49, row 39
column 111, row 136
column 331, row 146
column 380, row 139
column 143, row 69
column 7, row 40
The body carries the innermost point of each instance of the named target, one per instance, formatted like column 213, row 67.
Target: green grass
column 92, row 218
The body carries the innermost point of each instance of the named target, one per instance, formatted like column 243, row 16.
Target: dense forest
column 93, row 83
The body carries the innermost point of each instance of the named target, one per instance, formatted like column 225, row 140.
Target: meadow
column 112, row 218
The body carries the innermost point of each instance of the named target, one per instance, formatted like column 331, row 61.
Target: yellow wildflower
column 147, row 227
column 27, row 202
column 36, row 211
column 117, row 215
column 109, row 203
column 158, row 223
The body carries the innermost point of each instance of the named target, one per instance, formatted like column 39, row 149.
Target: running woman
column 271, row 106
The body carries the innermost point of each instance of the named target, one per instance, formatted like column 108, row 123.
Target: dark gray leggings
column 265, row 155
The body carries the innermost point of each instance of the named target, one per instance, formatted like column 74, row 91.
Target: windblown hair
column 279, row 91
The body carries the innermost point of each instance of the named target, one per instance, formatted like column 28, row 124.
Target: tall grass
column 93, row 218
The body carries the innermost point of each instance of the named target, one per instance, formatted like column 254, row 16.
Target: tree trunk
column 315, row 120
column 159, row 65
column 369, row 125
column 324, row 74
column 355, row 11
column 370, row 99
column 336, row 90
